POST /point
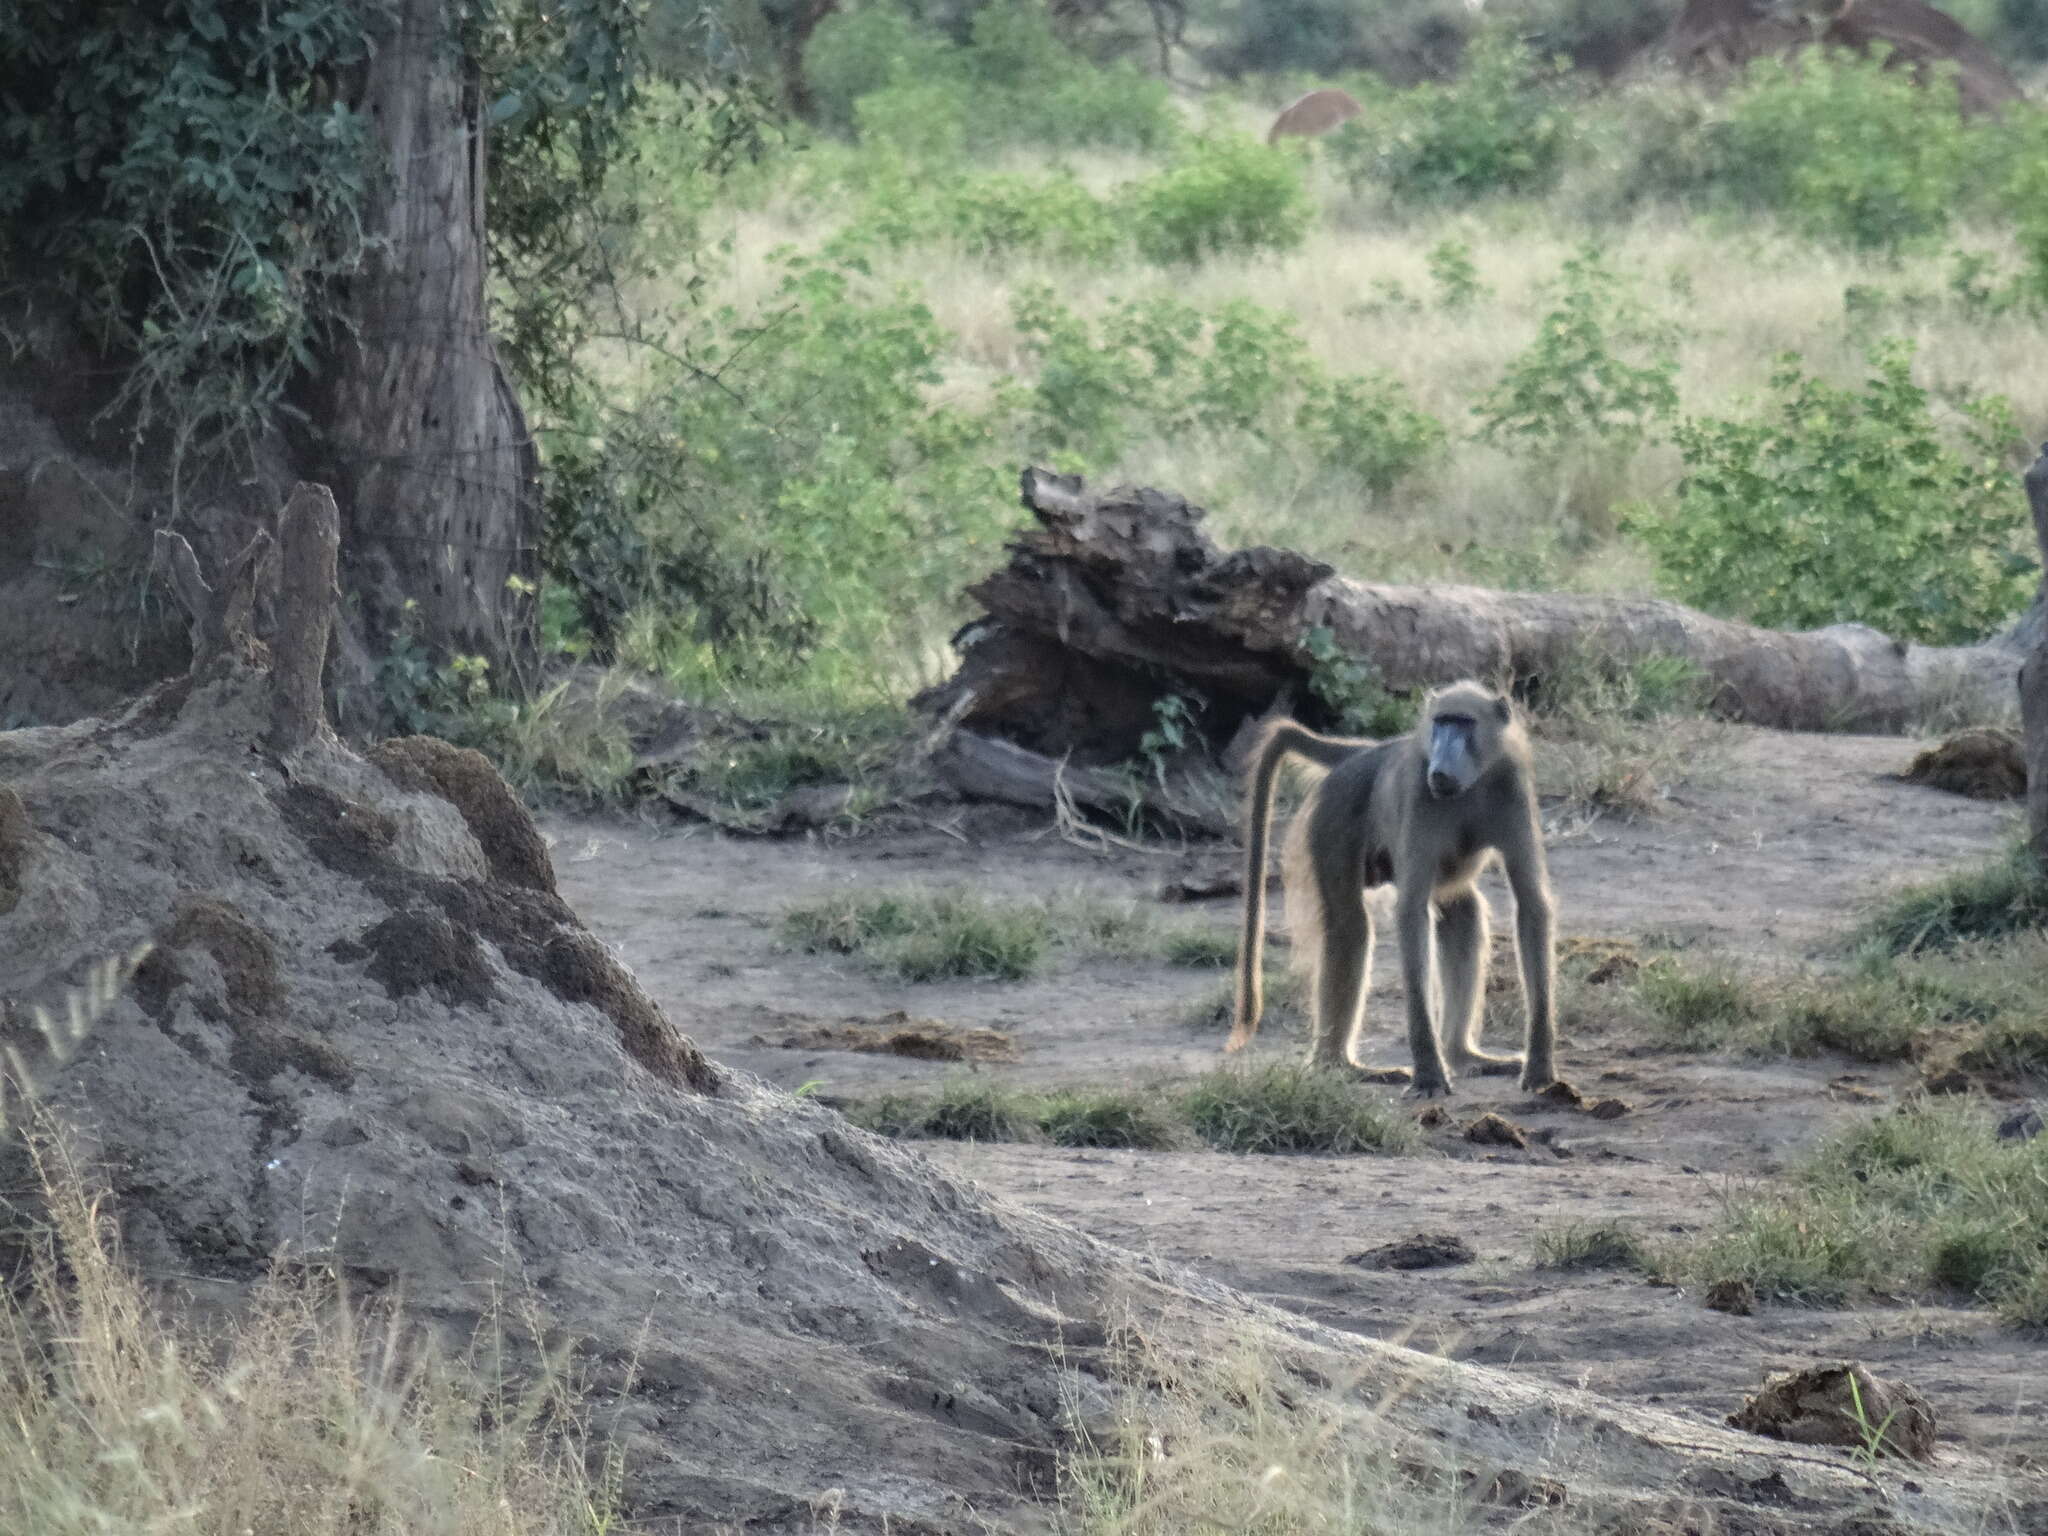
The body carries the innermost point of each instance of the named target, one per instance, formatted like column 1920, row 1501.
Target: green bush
column 1499, row 127
column 857, row 53
column 1840, row 504
column 782, row 499
column 1575, row 384
column 1845, row 149
column 1364, row 426
column 1160, row 366
column 900, row 83
column 1227, row 195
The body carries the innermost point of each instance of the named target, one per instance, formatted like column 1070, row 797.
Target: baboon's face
column 1453, row 755
column 1463, row 732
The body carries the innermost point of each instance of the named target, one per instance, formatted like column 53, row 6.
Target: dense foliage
column 1832, row 503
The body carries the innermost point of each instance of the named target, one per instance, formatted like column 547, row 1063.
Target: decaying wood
column 1117, row 598
column 989, row 768
column 310, row 531
column 2034, row 679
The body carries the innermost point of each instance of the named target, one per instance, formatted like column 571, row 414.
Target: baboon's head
column 1463, row 723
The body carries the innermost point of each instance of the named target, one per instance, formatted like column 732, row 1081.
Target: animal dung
column 1841, row 1405
column 1491, row 1130
column 1425, row 1250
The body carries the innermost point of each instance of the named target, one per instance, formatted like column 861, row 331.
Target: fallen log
column 1117, row 598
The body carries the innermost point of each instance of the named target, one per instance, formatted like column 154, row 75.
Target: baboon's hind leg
column 1343, row 973
column 1461, row 937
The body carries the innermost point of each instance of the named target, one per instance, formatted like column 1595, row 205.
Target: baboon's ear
column 1503, row 708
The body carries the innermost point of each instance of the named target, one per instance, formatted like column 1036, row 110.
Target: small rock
column 1562, row 1092
column 1425, row 1250
column 2023, row 1124
column 1432, row 1117
column 1735, row 1297
column 1841, row 1405
column 1608, row 1109
column 1492, row 1130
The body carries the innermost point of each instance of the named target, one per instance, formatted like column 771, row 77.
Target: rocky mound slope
column 371, row 1032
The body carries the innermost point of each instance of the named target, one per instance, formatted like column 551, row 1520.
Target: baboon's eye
column 1454, row 720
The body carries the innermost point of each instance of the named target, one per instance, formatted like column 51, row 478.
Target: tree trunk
column 2034, row 678
column 1116, row 599
column 413, row 422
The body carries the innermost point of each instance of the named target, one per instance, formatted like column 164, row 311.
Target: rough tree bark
column 1117, row 597
column 2034, row 679
column 414, row 423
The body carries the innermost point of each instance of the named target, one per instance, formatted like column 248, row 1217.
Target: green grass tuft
column 1106, row 1120
column 1290, row 1108
column 1601, row 1245
column 1926, row 1199
column 1201, row 948
column 1999, row 900
column 927, row 935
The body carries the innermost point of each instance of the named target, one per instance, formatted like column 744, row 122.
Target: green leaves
column 1836, row 504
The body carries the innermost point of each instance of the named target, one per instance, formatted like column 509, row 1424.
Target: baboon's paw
column 1428, row 1091
column 1535, row 1081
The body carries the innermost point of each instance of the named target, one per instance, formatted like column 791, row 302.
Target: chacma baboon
column 1427, row 811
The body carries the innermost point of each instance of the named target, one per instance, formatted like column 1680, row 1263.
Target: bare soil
column 1768, row 859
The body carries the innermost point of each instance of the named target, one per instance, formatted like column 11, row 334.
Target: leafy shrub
column 1597, row 1245
column 968, row 1110
column 1351, row 691
column 782, row 499
column 1840, row 504
column 1364, row 425
column 1845, row 149
column 899, row 83
column 997, row 215
column 1228, row 194
column 1499, row 127
column 1162, row 366
column 858, row 53
column 1575, row 384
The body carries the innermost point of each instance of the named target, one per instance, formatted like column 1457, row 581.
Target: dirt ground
column 1767, row 858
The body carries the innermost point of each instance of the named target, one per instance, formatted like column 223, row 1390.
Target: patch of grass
column 934, row 935
column 1698, row 1008
column 968, row 1109
column 1108, row 1119
column 1926, row 1199
column 2000, row 899
column 1289, row 1108
column 1599, row 1245
column 1286, row 999
column 1201, row 948
column 301, row 1414
column 1976, row 1006
column 1616, row 735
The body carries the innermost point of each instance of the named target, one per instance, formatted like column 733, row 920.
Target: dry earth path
column 1767, row 858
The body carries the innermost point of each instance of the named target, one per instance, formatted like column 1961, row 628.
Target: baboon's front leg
column 1343, row 972
column 1461, row 936
column 1414, row 917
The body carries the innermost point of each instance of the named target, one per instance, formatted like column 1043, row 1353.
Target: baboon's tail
column 1282, row 739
